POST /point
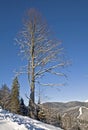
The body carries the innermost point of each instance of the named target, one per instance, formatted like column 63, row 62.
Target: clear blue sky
column 69, row 20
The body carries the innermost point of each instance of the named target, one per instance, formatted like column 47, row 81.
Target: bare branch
column 51, row 85
column 27, row 96
column 43, row 52
column 40, row 72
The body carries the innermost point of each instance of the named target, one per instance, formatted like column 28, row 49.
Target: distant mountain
column 73, row 115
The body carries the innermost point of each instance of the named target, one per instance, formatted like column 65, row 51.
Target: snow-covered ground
column 9, row 125
column 10, row 121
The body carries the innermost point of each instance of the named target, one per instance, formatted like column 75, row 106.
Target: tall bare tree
column 43, row 52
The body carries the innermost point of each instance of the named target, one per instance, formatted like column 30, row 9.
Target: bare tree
column 43, row 52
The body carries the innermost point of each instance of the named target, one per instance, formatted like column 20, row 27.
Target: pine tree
column 23, row 108
column 5, row 97
column 15, row 104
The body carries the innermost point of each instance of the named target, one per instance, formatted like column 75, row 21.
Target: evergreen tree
column 23, row 108
column 5, row 97
column 15, row 104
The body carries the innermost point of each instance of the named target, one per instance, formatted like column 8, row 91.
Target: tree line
column 10, row 98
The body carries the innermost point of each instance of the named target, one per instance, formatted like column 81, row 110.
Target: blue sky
column 69, row 21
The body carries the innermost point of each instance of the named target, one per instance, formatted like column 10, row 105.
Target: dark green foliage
column 23, row 108
column 15, row 104
column 5, row 97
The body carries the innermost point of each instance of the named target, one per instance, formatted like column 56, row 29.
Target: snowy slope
column 9, row 125
column 10, row 121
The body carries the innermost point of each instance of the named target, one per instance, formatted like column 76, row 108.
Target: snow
column 9, row 125
column 81, row 111
column 12, row 121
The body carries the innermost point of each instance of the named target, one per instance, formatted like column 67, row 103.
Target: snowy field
column 9, row 121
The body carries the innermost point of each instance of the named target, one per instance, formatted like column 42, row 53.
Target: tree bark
column 32, row 84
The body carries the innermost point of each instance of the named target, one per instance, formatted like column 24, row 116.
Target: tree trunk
column 32, row 94
column 32, row 83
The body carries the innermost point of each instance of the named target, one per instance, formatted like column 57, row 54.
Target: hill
column 71, row 115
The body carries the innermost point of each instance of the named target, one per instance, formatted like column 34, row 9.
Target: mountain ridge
column 74, row 114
